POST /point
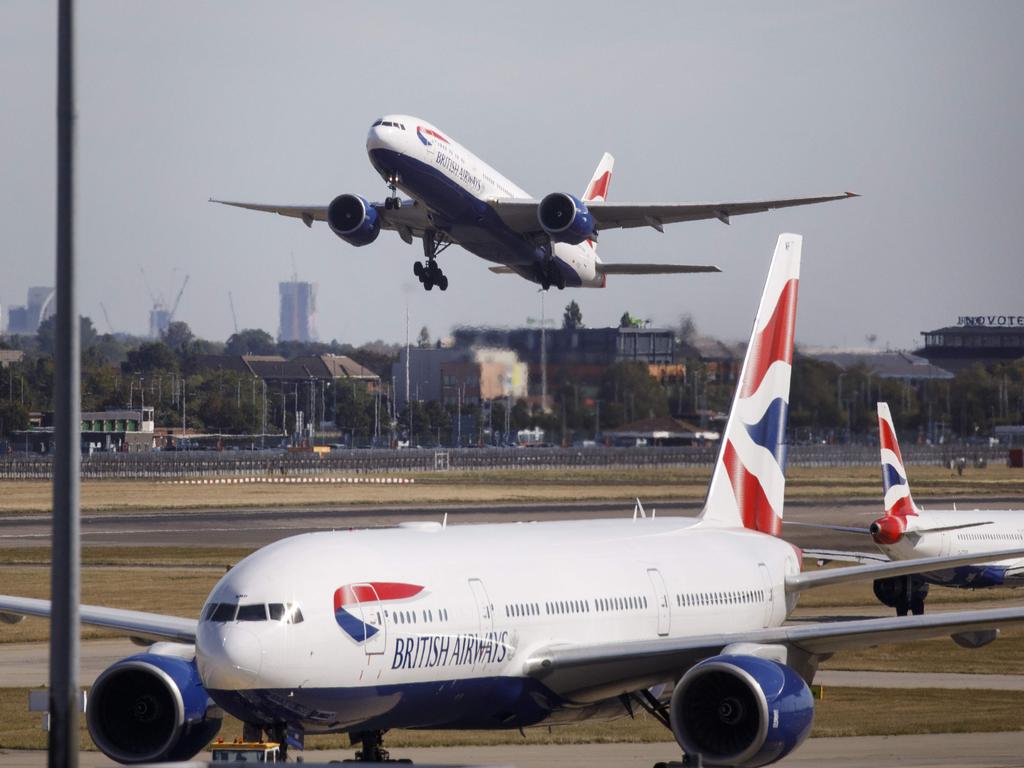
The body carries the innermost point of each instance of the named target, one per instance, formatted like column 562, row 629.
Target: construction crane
column 234, row 317
column 106, row 317
column 177, row 301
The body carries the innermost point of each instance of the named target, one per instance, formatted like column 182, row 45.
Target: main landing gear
column 372, row 748
column 548, row 273
column 428, row 272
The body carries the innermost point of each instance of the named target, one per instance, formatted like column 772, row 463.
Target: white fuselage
column 454, row 185
column 489, row 596
column 966, row 532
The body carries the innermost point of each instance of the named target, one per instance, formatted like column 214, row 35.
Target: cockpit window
column 376, row 122
column 256, row 612
column 208, row 614
column 293, row 614
column 224, row 612
column 276, row 611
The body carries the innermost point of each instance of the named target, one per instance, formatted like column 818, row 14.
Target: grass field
column 842, row 712
column 504, row 486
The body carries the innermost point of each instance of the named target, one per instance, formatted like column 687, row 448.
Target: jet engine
column 904, row 593
column 353, row 219
column 566, row 219
column 151, row 707
column 741, row 711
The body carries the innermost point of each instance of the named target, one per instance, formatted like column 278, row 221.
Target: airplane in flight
column 907, row 531
column 512, row 625
column 455, row 198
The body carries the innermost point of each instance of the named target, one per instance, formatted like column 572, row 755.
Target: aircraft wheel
column 417, row 269
column 443, row 283
column 428, row 283
column 917, row 605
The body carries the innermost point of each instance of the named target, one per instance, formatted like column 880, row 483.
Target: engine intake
column 566, row 219
column 741, row 711
column 150, row 708
column 353, row 219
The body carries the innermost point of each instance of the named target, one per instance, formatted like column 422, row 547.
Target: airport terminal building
column 984, row 339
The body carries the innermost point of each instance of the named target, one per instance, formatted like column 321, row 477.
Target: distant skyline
column 914, row 105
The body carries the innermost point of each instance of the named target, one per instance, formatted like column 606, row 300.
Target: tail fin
column 597, row 189
column 897, row 500
column 749, row 482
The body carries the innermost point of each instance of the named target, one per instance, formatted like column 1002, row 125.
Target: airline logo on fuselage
column 354, row 603
column 422, row 133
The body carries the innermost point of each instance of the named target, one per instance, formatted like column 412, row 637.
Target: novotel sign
column 992, row 321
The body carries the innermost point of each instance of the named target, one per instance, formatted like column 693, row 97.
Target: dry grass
column 842, row 712
column 503, row 486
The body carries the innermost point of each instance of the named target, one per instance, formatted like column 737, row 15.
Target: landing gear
column 392, row 200
column 428, row 273
column 904, row 593
column 548, row 272
column 372, row 748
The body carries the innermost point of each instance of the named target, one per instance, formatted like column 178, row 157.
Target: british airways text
column 450, row 650
column 451, row 164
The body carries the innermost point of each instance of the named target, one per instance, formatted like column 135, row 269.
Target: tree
column 13, row 417
column 424, row 339
column 631, row 393
column 572, row 318
column 46, row 334
column 250, row 341
column 151, row 356
column 626, row 321
column 178, row 337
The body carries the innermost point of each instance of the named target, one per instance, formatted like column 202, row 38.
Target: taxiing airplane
column 907, row 531
column 455, row 198
column 521, row 624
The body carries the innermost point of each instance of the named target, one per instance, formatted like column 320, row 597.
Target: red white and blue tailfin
column 749, row 482
column 597, row 189
column 897, row 501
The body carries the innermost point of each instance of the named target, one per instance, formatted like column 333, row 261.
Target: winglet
column 749, row 481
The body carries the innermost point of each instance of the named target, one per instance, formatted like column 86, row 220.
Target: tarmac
column 947, row 750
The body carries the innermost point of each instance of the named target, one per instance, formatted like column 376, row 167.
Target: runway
column 947, row 750
column 252, row 528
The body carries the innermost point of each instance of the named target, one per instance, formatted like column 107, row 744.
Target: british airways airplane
column 515, row 625
column 907, row 531
column 455, row 198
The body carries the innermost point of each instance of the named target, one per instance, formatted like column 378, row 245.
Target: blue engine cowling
column 353, row 219
column 566, row 219
column 149, row 708
column 741, row 711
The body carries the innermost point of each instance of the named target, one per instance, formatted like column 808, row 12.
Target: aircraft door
column 485, row 617
column 375, row 625
column 661, row 601
column 769, row 602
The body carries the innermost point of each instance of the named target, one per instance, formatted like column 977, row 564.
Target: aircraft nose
column 231, row 657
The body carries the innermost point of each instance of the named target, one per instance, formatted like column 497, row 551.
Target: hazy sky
column 917, row 106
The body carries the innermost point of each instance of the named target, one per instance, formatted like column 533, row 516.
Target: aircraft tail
column 897, row 500
column 597, row 189
column 749, row 481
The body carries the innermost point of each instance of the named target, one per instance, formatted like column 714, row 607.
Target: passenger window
column 225, row 612
column 276, row 611
column 257, row 612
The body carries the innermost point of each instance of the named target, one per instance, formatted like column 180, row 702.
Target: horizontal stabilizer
column 801, row 581
column 827, row 527
column 654, row 269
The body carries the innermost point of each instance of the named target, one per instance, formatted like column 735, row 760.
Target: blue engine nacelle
column 149, row 708
column 741, row 711
column 566, row 219
column 353, row 219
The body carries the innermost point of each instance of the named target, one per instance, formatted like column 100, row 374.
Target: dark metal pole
column 64, row 588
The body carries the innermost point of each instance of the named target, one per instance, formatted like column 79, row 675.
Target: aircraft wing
column 586, row 673
column 653, row 269
column 521, row 215
column 151, row 626
column 409, row 220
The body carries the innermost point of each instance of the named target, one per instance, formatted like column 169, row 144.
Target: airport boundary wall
column 200, row 464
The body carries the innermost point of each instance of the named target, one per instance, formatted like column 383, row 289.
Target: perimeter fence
column 199, row 464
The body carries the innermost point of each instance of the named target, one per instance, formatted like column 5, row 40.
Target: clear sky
column 918, row 106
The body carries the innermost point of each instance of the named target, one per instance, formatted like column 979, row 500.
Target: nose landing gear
column 428, row 272
column 392, row 200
